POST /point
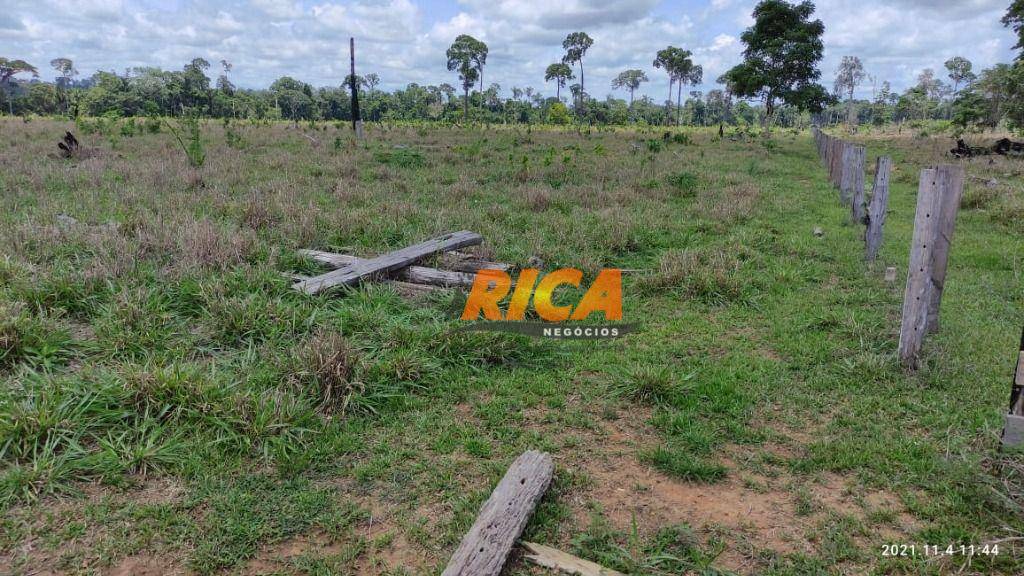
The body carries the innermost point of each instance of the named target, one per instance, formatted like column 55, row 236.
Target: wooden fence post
column 938, row 198
column 1013, row 429
column 854, row 175
column 878, row 207
column 835, row 165
column 918, row 292
column 950, row 182
column 847, row 171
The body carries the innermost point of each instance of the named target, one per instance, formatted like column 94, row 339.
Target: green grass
column 159, row 342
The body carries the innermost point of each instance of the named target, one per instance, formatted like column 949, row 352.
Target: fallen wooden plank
column 410, row 290
column 486, row 546
column 414, row 274
column 548, row 557
column 356, row 272
column 462, row 262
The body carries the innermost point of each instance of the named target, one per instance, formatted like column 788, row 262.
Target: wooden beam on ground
column 486, row 546
column 949, row 180
column 414, row 274
column 548, row 557
column 390, row 262
column 462, row 262
column 878, row 208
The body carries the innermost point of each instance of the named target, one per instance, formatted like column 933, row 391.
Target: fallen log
column 486, row 546
column 462, row 262
column 414, row 274
column 354, row 273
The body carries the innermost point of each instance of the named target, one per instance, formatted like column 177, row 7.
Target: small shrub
column 978, row 197
column 655, row 385
column 189, row 137
column 709, row 275
column 400, row 157
column 331, row 367
column 685, row 183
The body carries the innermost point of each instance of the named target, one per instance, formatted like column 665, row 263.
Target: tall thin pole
column 356, row 120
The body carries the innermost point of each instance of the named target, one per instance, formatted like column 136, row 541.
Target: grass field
column 169, row 404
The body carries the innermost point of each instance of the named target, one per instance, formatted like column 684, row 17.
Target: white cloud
column 404, row 41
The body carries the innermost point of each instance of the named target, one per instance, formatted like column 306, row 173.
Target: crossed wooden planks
column 359, row 269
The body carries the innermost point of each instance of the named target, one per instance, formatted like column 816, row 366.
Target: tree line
column 777, row 82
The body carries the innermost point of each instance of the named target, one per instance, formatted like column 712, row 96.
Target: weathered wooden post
column 929, row 255
column 357, row 121
column 851, row 187
column 1013, row 428
column 836, row 163
column 950, row 181
column 878, row 207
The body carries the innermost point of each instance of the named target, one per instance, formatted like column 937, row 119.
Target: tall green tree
column 960, row 72
column 630, row 80
column 561, row 73
column 576, row 45
column 849, row 75
column 780, row 62
column 1014, row 18
column 8, row 70
column 65, row 75
column 670, row 59
column 693, row 75
column 464, row 58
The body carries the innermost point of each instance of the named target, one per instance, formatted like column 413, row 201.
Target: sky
column 404, row 41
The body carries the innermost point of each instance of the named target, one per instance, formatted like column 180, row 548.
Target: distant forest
column 777, row 83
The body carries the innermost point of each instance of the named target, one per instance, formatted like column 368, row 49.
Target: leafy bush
column 400, row 157
column 685, row 182
column 189, row 136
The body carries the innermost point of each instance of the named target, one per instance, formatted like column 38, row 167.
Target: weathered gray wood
column 554, row 559
column 949, row 180
column 412, row 291
column 356, row 272
column 851, row 172
column 855, row 179
column 1018, row 378
column 918, row 292
column 841, row 147
column 414, row 274
column 486, row 546
column 461, row 262
column 878, row 208
column 1017, row 389
column 1013, row 430
column 835, row 156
